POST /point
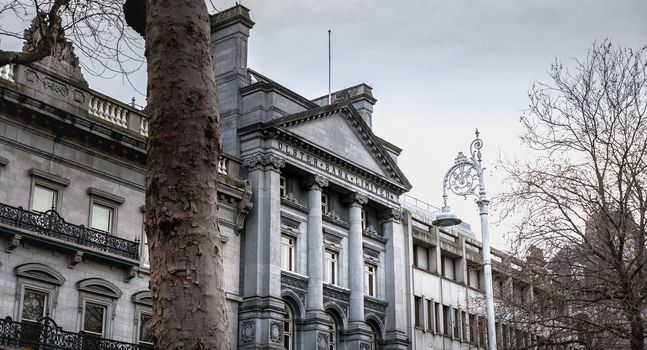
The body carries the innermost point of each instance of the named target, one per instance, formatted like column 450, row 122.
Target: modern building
column 318, row 251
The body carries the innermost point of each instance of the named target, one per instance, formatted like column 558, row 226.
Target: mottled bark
column 189, row 305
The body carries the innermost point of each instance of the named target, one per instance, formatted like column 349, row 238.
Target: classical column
column 356, row 257
column 314, row 185
column 315, row 326
column 396, row 283
column 261, row 311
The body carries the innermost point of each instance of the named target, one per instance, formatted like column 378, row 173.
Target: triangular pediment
column 341, row 131
column 335, row 134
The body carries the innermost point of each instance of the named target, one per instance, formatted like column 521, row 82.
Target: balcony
column 47, row 335
column 51, row 228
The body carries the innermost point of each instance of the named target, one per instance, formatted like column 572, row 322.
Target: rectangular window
column 369, row 280
column 34, row 305
column 287, row 253
column 463, row 326
column 94, row 318
column 44, row 198
column 145, row 328
column 430, row 315
column 330, row 267
column 283, row 190
column 473, row 332
column 101, row 217
column 456, row 321
column 421, row 257
column 481, row 326
column 474, row 278
column 448, row 268
column 363, row 216
column 418, row 311
column 447, row 321
column 325, row 203
column 437, row 316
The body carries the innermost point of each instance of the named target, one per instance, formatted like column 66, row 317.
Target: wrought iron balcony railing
column 51, row 224
column 45, row 334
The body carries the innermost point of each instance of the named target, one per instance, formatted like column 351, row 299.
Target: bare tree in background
column 189, row 305
column 583, row 201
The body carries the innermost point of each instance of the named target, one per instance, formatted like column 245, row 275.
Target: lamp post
column 465, row 178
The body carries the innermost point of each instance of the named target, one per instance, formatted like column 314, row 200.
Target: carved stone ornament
column 276, row 332
column 364, row 346
column 322, row 341
column 392, row 214
column 244, row 207
column 264, row 160
column 62, row 50
column 315, row 180
column 356, row 198
column 247, row 330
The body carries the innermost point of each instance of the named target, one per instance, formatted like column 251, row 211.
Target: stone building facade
column 318, row 251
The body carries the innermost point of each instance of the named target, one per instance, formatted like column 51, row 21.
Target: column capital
column 356, row 198
column 313, row 181
column 264, row 160
column 391, row 215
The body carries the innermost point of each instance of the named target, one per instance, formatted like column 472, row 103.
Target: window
column 421, row 257
column 418, row 311
column 481, row 326
column 46, row 190
column 430, row 315
column 455, row 319
column 44, row 198
column 332, row 334
column 94, row 318
column 363, row 218
column 437, row 317
column 288, row 329
column 473, row 332
column 34, row 305
column 287, row 253
column 103, row 209
column 145, row 328
column 330, row 267
column 325, row 203
column 447, row 321
column 473, row 278
column 448, row 268
column 101, row 217
column 283, row 189
column 369, row 280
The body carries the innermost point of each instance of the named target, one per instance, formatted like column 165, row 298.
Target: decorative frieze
column 246, row 332
column 276, row 332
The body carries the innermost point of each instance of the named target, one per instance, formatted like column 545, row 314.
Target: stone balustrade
column 108, row 110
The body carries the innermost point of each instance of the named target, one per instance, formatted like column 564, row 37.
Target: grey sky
column 439, row 68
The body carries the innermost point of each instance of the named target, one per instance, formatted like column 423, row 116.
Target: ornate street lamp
column 463, row 179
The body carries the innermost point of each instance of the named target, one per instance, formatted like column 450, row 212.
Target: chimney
column 229, row 33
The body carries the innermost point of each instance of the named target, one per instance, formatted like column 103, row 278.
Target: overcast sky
column 439, row 68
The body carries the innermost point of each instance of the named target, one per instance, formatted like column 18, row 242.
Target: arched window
column 375, row 338
column 288, row 329
column 333, row 337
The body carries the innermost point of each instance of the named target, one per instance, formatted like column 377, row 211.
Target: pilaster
column 261, row 312
column 396, row 291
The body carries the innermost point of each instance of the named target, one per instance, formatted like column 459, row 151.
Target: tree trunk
column 189, row 305
column 637, row 339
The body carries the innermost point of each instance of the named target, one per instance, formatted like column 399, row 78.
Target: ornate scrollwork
column 267, row 160
column 466, row 175
column 50, row 223
column 356, row 198
column 45, row 334
column 315, row 180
